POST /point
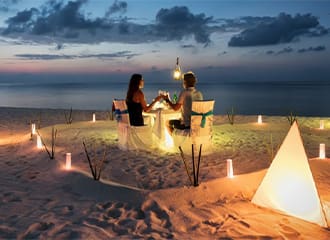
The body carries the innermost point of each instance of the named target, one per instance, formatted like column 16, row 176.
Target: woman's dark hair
column 134, row 85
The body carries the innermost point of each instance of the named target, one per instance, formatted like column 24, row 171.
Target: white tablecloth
column 161, row 118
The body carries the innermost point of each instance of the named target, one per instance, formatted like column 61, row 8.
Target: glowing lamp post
column 39, row 143
column 177, row 70
column 259, row 119
column 94, row 117
column 321, row 124
column 230, row 172
column 322, row 151
column 68, row 161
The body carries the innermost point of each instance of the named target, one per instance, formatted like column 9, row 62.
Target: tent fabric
column 288, row 185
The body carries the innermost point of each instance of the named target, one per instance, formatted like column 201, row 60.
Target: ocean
column 249, row 98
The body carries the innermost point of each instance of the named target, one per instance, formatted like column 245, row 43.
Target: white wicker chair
column 200, row 132
column 131, row 137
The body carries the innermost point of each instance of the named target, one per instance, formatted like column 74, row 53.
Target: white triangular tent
column 288, row 185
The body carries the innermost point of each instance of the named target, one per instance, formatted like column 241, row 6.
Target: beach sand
column 146, row 194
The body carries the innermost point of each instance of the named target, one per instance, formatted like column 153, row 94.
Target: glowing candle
column 39, row 143
column 68, row 161
column 321, row 124
column 259, row 119
column 322, row 151
column 230, row 172
column 94, row 118
column 33, row 128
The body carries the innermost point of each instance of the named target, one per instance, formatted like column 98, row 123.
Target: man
column 186, row 97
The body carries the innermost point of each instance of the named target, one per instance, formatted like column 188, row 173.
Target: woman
column 136, row 102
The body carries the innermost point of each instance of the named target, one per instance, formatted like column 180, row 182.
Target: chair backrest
column 201, row 118
column 121, row 112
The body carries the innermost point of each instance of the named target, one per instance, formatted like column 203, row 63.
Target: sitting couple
column 136, row 102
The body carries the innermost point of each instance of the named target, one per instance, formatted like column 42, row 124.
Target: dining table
column 159, row 118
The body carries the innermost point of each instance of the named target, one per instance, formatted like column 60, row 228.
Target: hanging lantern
column 321, row 124
column 94, row 117
column 177, row 70
column 259, row 119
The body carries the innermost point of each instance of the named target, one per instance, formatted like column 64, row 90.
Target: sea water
column 250, row 98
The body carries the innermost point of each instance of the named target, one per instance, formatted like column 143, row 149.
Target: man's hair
column 190, row 79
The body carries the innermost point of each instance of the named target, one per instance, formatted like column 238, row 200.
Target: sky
column 220, row 40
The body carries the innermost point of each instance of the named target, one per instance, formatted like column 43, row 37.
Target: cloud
column 6, row 4
column 282, row 51
column 59, row 46
column 43, row 56
column 178, row 22
column 117, row 7
column 301, row 50
column 55, row 19
column 187, row 46
column 285, row 50
column 312, row 49
column 61, row 21
column 121, row 54
column 65, row 22
column 282, row 29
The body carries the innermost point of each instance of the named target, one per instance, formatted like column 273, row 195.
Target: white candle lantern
column 39, row 143
column 321, row 124
column 94, row 117
column 68, row 161
column 259, row 119
column 230, row 172
column 33, row 128
column 322, row 151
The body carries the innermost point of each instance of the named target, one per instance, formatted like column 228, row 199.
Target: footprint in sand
column 35, row 230
column 289, row 232
column 142, row 170
column 114, row 213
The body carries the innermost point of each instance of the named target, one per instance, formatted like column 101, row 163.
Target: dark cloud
column 178, row 22
column 61, row 21
column 44, row 56
column 318, row 32
column 285, row 50
column 282, row 29
column 270, row 52
column 65, row 22
column 121, row 54
column 312, row 49
column 301, row 50
column 56, row 18
column 187, row 46
column 117, row 7
column 222, row 53
column 59, row 46
column 282, row 51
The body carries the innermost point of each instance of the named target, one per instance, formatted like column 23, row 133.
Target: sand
column 146, row 194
